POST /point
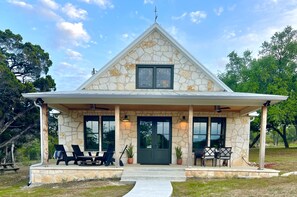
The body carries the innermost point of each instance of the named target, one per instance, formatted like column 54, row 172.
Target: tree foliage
column 23, row 68
column 274, row 72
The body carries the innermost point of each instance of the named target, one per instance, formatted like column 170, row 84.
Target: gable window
column 91, row 133
column 154, row 76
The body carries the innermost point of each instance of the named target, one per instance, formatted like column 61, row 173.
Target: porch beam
column 117, row 135
column 247, row 110
column 190, row 131
column 263, row 137
column 44, row 137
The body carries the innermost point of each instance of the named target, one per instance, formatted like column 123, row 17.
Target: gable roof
column 154, row 27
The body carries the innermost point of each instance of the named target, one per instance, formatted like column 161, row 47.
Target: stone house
column 156, row 96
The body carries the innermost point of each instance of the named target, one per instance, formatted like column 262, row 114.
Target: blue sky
column 83, row 34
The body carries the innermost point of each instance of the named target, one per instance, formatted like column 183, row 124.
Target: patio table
column 93, row 159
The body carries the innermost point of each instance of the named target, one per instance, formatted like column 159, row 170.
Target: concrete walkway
column 151, row 188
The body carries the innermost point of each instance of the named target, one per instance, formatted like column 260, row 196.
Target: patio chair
column 108, row 156
column 208, row 154
column 198, row 155
column 225, row 155
column 61, row 155
column 77, row 153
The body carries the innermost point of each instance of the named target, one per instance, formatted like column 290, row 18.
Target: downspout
column 38, row 104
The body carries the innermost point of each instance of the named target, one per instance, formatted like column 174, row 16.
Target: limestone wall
column 154, row 49
column 237, row 135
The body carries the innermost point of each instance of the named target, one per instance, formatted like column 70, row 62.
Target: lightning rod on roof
column 156, row 14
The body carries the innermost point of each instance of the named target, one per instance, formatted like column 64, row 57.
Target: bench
column 4, row 167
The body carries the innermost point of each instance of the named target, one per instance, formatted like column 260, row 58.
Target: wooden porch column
column 190, row 140
column 262, row 137
column 44, row 137
column 117, row 135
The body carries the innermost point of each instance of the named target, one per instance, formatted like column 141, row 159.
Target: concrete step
column 164, row 174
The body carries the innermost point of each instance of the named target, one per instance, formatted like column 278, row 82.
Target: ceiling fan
column 94, row 107
column 219, row 108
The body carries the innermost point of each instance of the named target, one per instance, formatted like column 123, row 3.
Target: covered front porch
column 180, row 109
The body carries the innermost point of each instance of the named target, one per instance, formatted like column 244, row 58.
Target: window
column 217, row 132
column 91, row 133
column 200, row 133
column 108, row 132
column 154, row 77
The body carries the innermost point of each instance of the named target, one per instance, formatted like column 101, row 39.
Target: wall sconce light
column 126, row 119
column 183, row 120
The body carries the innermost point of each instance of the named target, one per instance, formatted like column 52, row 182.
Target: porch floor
column 60, row 173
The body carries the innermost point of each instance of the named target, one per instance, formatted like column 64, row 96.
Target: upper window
column 154, row 77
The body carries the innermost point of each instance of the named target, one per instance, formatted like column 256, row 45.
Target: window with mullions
column 108, row 132
column 200, row 133
column 154, row 77
column 217, row 132
column 91, row 133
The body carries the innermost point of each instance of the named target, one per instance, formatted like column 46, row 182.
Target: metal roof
column 156, row 98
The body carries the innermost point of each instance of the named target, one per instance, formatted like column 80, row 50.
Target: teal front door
column 154, row 140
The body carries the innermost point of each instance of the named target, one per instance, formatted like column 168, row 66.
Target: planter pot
column 179, row 161
column 130, row 161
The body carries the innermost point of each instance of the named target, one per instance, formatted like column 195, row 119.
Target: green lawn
column 285, row 160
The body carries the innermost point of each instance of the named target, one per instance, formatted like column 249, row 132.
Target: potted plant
column 130, row 154
column 179, row 154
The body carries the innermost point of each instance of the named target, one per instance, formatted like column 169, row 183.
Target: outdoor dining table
column 93, row 159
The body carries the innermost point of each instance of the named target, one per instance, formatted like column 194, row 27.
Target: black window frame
column 199, row 119
column 106, row 118
column 90, row 118
column 154, row 67
column 222, row 134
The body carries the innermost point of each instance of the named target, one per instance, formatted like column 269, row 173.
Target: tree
column 274, row 72
column 23, row 68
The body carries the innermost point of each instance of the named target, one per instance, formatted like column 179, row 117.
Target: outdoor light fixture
column 126, row 119
column 183, row 120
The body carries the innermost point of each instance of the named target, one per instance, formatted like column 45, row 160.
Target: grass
column 281, row 159
column 285, row 160
column 15, row 184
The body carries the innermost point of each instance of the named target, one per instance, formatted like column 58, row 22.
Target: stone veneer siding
column 237, row 131
column 154, row 49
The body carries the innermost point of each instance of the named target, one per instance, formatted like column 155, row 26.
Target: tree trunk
column 285, row 136
column 255, row 141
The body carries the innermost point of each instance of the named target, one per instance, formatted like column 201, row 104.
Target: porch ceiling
column 111, row 107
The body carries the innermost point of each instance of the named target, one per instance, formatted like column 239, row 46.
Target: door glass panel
column 163, row 135
column 108, row 133
column 145, row 134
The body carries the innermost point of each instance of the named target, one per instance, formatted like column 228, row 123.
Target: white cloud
column 73, row 54
column 125, row 35
column 104, row 4
column 148, row 1
column 180, row 17
column 73, row 33
column 22, row 4
column 74, row 13
column 50, row 4
column 219, row 11
column 197, row 16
